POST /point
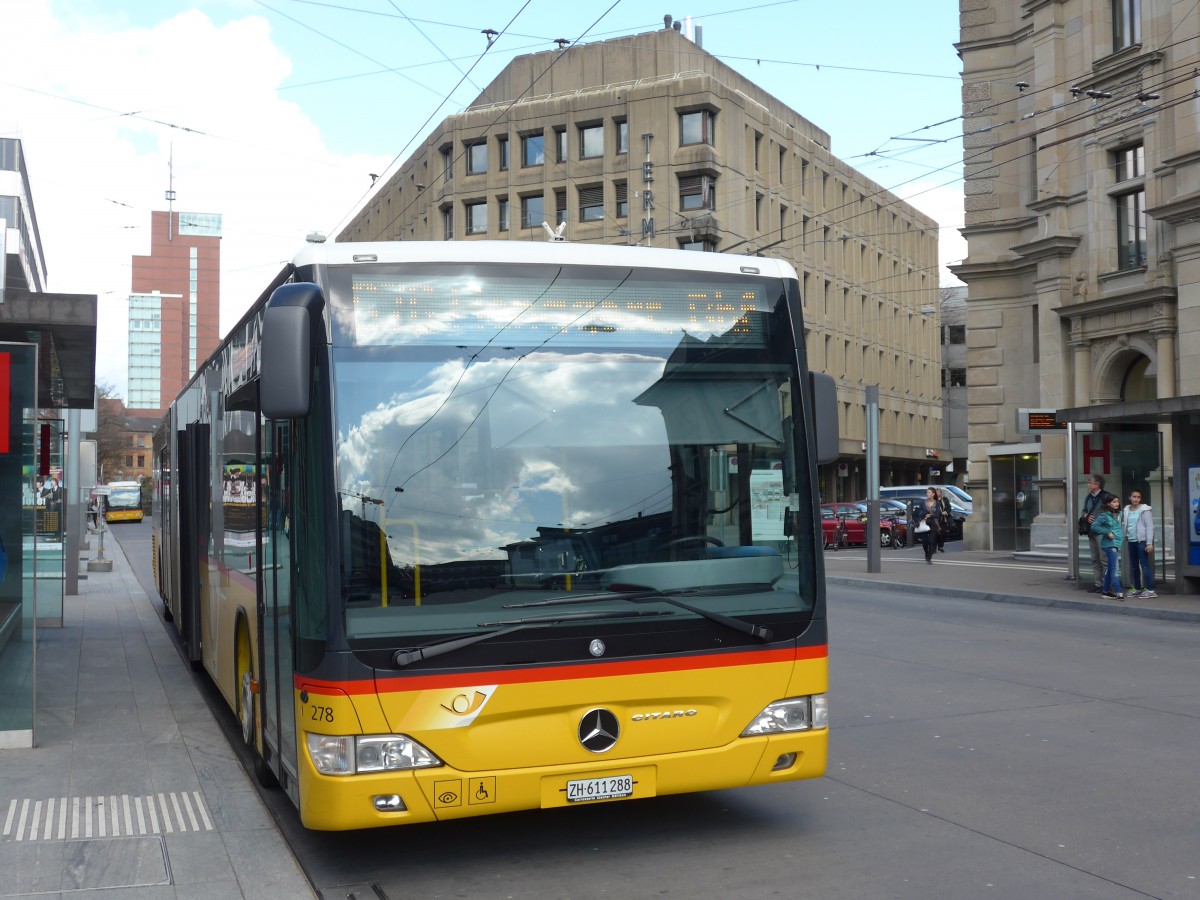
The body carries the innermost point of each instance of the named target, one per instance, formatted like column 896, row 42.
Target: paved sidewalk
column 997, row 577
column 132, row 792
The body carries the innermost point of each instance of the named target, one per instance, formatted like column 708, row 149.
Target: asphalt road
column 978, row 750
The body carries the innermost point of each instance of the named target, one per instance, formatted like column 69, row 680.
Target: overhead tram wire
column 501, row 115
column 345, row 46
column 991, row 148
column 616, row 224
column 420, row 129
column 1032, row 93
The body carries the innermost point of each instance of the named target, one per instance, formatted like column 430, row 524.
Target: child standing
column 1138, row 521
column 1108, row 528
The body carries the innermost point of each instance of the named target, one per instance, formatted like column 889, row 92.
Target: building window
column 696, row 127
column 447, row 163
column 591, row 141
column 952, row 378
column 476, row 217
column 560, row 144
column 954, row 334
column 1131, row 229
column 622, row 136
column 502, row 152
column 560, row 206
column 477, row 162
column 533, row 211
column 697, row 192
column 502, row 213
column 622, row 195
column 448, row 223
column 141, row 460
column 1127, row 23
column 533, row 149
column 706, row 246
column 591, row 203
column 1129, row 195
column 1129, row 162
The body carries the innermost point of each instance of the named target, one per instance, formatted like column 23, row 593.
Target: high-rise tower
column 174, row 306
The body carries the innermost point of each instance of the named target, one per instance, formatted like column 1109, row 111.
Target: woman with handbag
column 929, row 520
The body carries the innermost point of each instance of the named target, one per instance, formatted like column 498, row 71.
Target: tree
column 110, row 432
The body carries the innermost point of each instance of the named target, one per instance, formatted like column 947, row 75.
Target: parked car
column 916, row 494
column 853, row 518
column 893, row 521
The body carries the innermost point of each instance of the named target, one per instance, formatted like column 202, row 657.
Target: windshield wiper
column 652, row 595
column 410, row 655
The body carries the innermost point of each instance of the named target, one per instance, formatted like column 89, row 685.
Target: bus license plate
column 611, row 788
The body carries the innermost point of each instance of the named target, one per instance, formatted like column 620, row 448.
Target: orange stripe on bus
column 562, row 673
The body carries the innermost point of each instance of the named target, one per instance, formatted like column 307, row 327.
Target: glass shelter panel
column 20, row 518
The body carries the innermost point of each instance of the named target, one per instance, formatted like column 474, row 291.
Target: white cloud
column 202, row 92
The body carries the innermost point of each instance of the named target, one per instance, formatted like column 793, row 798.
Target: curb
column 1145, row 612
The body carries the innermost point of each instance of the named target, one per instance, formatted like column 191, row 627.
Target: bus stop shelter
column 47, row 374
column 1182, row 414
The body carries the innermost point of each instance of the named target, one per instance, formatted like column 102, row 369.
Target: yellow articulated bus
column 123, row 502
column 460, row 528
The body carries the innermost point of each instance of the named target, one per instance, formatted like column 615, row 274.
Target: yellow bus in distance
column 124, row 502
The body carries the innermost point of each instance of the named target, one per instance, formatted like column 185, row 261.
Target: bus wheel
column 245, row 688
column 245, row 711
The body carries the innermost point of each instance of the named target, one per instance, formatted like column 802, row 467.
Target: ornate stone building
column 650, row 140
column 1082, row 174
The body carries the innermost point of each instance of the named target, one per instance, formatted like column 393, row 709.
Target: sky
column 275, row 113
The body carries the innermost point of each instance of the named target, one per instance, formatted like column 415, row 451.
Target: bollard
column 100, row 564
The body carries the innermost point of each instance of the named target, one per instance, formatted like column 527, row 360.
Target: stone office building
column 651, row 140
column 1082, row 165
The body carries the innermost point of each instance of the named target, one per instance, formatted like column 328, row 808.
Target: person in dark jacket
column 944, row 524
column 1093, row 504
column 929, row 513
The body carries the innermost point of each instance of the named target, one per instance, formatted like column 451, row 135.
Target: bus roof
column 539, row 252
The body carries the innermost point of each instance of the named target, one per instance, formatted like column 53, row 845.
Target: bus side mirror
column 823, row 390
column 286, row 354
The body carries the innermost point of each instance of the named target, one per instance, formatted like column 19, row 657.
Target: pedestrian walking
column 1138, row 525
column 1107, row 527
column 1094, row 503
column 944, row 518
column 929, row 516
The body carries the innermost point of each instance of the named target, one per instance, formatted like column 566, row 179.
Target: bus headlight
column 352, row 754
column 792, row 714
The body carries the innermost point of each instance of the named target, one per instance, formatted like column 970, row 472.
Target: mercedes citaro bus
column 460, row 528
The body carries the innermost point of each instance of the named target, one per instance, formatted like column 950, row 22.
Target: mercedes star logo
column 599, row 730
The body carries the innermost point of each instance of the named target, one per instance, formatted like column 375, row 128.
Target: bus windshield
column 124, row 497
column 505, row 436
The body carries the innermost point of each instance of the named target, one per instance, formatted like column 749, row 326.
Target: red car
column 851, row 520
